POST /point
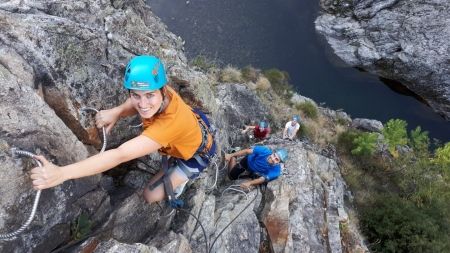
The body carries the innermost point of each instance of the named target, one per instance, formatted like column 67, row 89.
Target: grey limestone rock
column 408, row 41
column 367, row 125
column 113, row 246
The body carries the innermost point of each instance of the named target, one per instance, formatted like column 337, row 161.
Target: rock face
column 59, row 56
column 367, row 125
column 408, row 41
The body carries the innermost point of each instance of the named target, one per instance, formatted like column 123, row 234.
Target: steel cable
column 12, row 235
column 221, row 232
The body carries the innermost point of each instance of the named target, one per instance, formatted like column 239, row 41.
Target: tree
column 365, row 144
column 395, row 134
column 419, row 141
column 393, row 224
column 442, row 159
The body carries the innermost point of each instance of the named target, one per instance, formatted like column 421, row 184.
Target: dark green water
column 280, row 34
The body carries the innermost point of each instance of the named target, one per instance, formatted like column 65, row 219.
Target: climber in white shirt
column 291, row 128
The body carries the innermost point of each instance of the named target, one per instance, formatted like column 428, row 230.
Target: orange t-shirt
column 176, row 129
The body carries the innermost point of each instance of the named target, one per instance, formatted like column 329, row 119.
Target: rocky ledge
column 407, row 41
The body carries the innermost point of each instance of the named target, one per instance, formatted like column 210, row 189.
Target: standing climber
column 260, row 131
column 291, row 128
column 170, row 127
column 259, row 161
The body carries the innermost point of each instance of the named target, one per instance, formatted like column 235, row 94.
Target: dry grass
column 317, row 128
column 230, row 75
column 263, row 83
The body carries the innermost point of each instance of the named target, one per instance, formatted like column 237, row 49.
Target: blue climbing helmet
column 282, row 154
column 262, row 124
column 144, row 72
column 296, row 118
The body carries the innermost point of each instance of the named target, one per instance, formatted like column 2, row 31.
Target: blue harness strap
column 207, row 132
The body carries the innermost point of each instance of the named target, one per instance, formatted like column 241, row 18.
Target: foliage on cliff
column 402, row 194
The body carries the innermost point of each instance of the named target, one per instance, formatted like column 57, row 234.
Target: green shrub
column 279, row 81
column 392, row 224
column 417, row 179
column 308, row 108
column 341, row 121
column 419, row 141
column 395, row 134
column 203, row 63
column 345, row 140
column 365, row 144
column 81, row 227
column 442, row 156
column 305, row 132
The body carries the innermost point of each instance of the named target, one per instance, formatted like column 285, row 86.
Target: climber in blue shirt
column 259, row 161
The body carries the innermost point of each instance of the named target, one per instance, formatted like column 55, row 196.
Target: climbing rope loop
column 86, row 109
column 236, row 188
column 216, row 176
column 14, row 234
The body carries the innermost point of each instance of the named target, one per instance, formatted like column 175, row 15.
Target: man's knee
column 231, row 163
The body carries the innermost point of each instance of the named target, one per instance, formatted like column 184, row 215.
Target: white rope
column 230, row 188
column 13, row 235
column 217, row 175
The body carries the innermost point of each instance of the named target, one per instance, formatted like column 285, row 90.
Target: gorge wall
column 407, row 41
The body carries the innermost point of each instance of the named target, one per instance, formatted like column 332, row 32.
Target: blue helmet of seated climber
column 282, row 154
column 263, row 125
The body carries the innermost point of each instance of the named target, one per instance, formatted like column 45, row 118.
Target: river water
column 280, row 34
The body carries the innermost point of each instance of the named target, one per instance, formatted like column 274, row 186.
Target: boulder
column 370, row 125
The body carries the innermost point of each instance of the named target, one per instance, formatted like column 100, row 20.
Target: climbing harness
column 202, row 152
column 173, row 201
column 13, row 235
column 85, row 109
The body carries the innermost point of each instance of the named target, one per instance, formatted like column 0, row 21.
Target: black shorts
column 238, row 169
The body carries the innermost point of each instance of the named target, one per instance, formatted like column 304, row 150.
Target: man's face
column 274, row 159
